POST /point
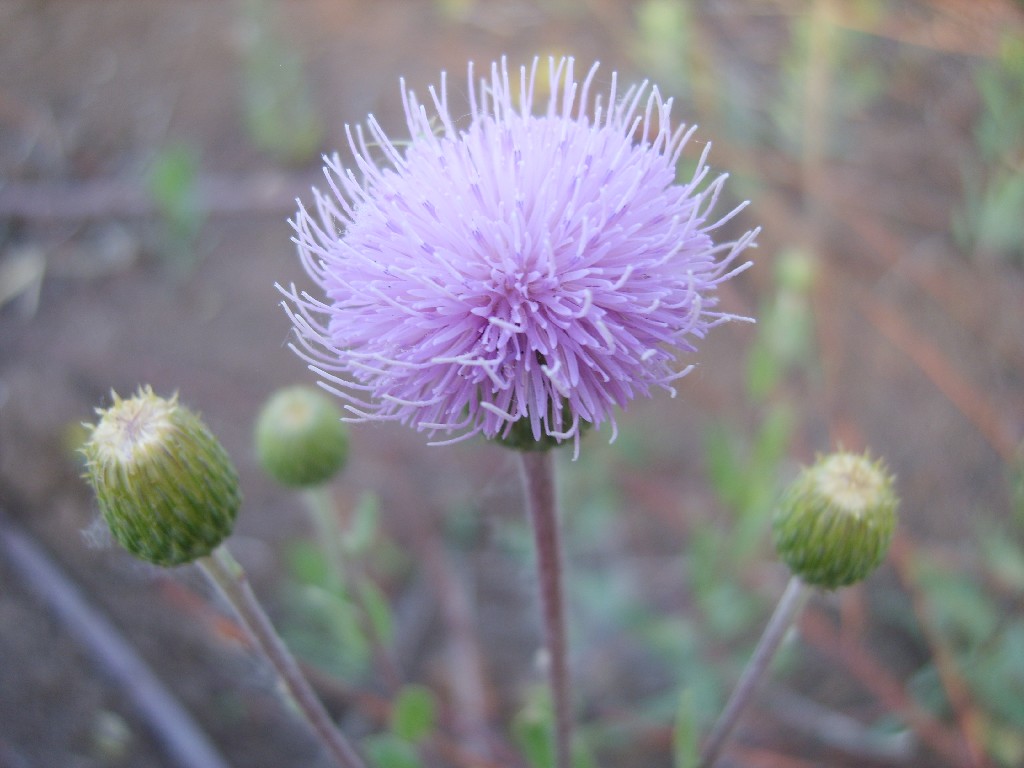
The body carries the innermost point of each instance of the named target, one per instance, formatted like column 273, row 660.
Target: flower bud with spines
column 835, row 522
column 300, row 439
column 165, row 485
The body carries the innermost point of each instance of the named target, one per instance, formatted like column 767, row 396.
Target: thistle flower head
column 165, row 486
column 534, row 266
column 835, row 522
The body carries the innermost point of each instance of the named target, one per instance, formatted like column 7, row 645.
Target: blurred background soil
column 150, row 154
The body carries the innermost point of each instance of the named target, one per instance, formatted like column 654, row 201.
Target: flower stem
column 324, row 513
column 538, row 472
column 789, row 606
column 324, row 516
column 225, row 572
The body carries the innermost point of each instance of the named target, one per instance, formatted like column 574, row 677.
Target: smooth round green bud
column 835, row 522
column 165, row 486
column 300, row 438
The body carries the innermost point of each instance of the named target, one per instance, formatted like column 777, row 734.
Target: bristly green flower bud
column 165, row 485
column 835, row 522
column 300, row 438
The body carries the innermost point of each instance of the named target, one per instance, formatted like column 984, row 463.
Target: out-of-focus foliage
column 172, row 182
column 280, row 116
column 989, row 224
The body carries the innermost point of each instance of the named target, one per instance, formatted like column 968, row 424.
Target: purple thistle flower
column 519, row 270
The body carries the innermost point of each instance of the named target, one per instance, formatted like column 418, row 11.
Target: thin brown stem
column 185, row 745
column 225, row 572
column 538, row 471
column 788, row 607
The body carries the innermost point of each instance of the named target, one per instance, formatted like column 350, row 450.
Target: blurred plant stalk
column 230, row 579
column 538, row 473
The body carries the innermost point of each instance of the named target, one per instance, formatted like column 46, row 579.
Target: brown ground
column 923, row 357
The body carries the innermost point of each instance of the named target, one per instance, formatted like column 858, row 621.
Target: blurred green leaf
column 340, row 614
column 704, row 556
column 307, row 563
column 785, row 326
column 385, row 750
column 1000, row 129
column 378, row 610
column 925, row 685
column 960, row 610
column 988, row 221
column 532, row 729
column 746, row 480
column 582, row 757
column 1005, row 744
column 684, row 735
column 413, row 713
column 996, row 675
column 279, row 110
column 819, row 45
column 1017, row 488
column 362, row 531
column 325, row 628
column 172, row 184
column 993, row 214
column 725, row 468
column 663, row 42
column 671, row 638
column 1004, row 558
column 604, row 597
column 730, row 611
column 764, row 373
column 454, row 11
column 771, row 444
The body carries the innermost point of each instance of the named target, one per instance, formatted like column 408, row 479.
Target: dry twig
column 181, row 738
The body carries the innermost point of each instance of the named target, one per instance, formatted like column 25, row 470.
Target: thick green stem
column 538, row 471
column 789, row 606
column 225, row 572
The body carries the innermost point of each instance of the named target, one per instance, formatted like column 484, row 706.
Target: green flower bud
column 835, row 522
column 520, row 434
column 300, row 438
column 520, row 438
column 165, row 485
